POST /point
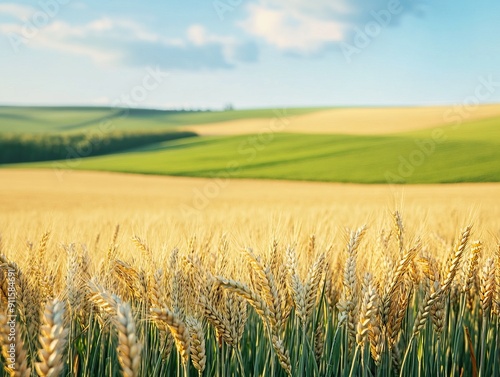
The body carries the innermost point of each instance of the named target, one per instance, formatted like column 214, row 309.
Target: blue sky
column 251, row 53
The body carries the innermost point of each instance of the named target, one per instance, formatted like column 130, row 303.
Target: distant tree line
column 16, row 148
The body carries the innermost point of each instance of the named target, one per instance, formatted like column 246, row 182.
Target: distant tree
column 229, row 107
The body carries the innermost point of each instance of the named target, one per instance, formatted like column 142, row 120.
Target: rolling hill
column 419, row 153
column 82, row 119
column 439, row 155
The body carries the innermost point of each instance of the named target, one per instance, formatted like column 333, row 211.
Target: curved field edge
column 86, row 119
column 15, row 148
column 351, row 121
column 322, row 120
column 469, row 153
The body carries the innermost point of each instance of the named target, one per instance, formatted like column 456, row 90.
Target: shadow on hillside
column 90, row 122
column 10, row 116
column 170, row 145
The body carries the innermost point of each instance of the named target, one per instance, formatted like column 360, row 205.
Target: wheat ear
column 53, row 340
column 129, row 349
column 198, row 355
column 457, row 258
column 177, row 328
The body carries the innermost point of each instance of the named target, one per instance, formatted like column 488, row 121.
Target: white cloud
column 291, row 29
column 58, row 36
column 50, row 39
column 15, row 10
column 103, row 24
column 101, row 101
column 197, row 35
column 200, row 36
column 111, row 41
column 306, row 26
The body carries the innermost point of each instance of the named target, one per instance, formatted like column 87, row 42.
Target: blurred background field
column 359, row 145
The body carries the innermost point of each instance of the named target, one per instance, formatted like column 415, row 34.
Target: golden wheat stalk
column 397, row 280
column 399, row 230
column 77, row 276
column 377, row 340
column 197, row 335
column 260, row 306
column 177, row 328
column 132, row 278
column 397, row 313
column 312, row 286
column 487, row 286
column 201, row 280
column 236, row 313
column 129, row 348
column 431, row 296
column 53, row 340
column 276, row 258
column 282, row 353
column 41, row 278
column 177, row 294
column 72, row 276
column 266, row 286
column 145, row 250
column 157, row 290
column 470, row 277
column 103, row 299
column 311, row 246
column 253, row 298
column 295, row 287
column 457, row 258
column 369, row 310
column 475, row 254
column 437, row 310
column 218, row 321
column 319, row 341
column 111, row 253
column 280, row 271
column 347, row 305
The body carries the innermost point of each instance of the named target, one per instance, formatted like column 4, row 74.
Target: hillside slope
column 469, row 153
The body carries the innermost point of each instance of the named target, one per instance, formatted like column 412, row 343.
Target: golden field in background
column 353, row 121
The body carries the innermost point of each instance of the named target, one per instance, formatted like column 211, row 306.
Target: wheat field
column 123, row 275
column 349, row 121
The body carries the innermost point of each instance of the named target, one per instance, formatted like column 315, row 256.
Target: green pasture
column 466, row 153
column 82, row 119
